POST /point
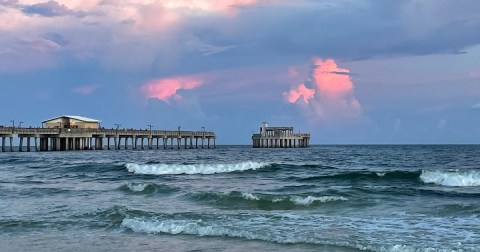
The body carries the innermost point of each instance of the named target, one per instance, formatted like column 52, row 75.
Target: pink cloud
column 301, row 91
column 85, row 90
column 332, row 94
column 166, row 89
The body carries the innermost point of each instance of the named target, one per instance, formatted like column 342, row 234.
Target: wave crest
column 451, row 178
column 174, row 169
column 311, row 199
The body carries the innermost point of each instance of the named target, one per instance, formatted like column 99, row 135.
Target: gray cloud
column 48, row 9
column 52, row 9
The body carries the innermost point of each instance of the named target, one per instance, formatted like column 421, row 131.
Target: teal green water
column 235, row 198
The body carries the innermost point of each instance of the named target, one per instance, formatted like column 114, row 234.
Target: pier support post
column 28, row 144
column 203, row 139
column 150, row 143
column 171, row 144
column 141, row 143
column 165, row 142
column 108, row 143
column 58, row 144
column 214, row 143
column 20, row 146
column 134, row 142
column 68, row 143
column 36, row 143
column 126, row 143
column 196, row 142
column 208, row 142
column 116, row 143
column 3, row 144
column 11, row 144
column 158, row 142
column 179, row 140
column 191, row 142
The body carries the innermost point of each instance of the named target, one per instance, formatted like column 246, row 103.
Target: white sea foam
column 137, row 187
column 451, row 178
column 183, row 227
column 164, row 169
column 383, row 234
column 311, row 199
column 249, row 196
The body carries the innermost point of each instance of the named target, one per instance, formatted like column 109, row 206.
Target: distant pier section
column 279, row 137
column 67, row 133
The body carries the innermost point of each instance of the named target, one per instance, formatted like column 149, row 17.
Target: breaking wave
column 259, row 231
column 146, row 188
column 247, row 200
column 172, row 169
column 451, row 178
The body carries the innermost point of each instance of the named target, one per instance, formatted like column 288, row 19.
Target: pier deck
column 62, row 139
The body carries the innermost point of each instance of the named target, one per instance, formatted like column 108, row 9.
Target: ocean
column 236, row 198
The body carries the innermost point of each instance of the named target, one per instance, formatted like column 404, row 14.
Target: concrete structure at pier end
column 279, row 137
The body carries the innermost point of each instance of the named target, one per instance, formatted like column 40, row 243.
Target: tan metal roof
column 78, row 118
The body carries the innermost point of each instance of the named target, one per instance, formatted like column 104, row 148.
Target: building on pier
column 68, row 122
column 279, row 137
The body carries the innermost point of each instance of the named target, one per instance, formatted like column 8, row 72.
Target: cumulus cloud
column 331, row 95
column 300, row 92
column 167, row 89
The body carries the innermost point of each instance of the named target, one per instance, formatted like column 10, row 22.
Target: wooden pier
column 69, row 139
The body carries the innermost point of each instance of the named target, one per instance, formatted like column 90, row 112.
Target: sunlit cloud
column 166, row 89
column 330, row 95
column 301, row 92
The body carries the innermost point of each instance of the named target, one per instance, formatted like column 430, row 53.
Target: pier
column 69, row 139
column 279, row 137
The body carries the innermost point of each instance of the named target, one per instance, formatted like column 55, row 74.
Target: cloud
column 301, row 92
column 48, row 9
column 85, row 90
column 167, row 89
column 254, row 32
column 331, row 96
column 476, row 106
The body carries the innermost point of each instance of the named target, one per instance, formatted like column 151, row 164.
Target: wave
column 261, row 229
column 311, row 199
column 247, row 200
column 439, row 177
column 146, row 188
column 366, row 175
column 451, row 178
column 174, row 169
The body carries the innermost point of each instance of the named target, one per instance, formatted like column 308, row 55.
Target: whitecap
column 249, row 196
column 311, row 199
column 164, row 169
column 451, row 178
column 137, row 187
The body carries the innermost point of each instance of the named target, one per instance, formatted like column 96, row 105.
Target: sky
column 346, row 71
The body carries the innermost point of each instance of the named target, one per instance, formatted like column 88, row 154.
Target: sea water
column 236, row 198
